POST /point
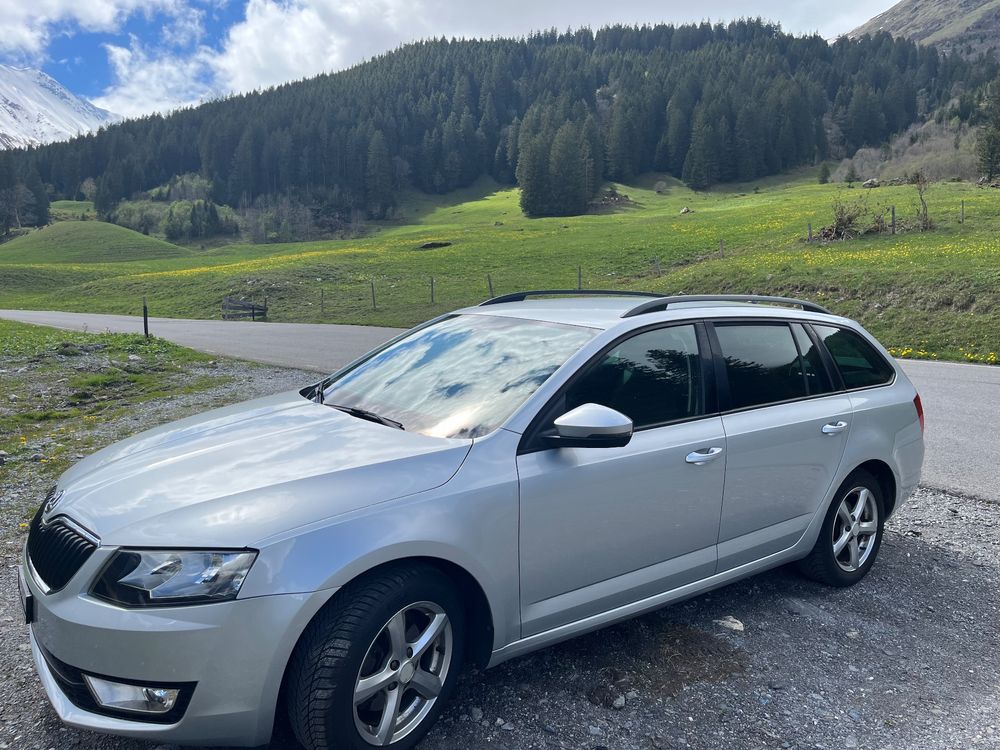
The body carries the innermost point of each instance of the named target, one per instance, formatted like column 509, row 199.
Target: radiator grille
column 56, row 551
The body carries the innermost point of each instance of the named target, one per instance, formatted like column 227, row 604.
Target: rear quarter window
column 860, row 365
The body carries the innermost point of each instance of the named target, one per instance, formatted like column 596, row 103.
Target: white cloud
column 147, row 82
column 29, row 24
column 282, row 41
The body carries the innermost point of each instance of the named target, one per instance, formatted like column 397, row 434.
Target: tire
column 851, row 562
column 357, row 636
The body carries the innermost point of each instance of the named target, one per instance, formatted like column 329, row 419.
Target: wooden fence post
column 432, row 290
column 962, row 219
column 489, row 283
column 373, row 294
column 145, row 317
column 722, row 249
column 810, row 232
column 893, row 219
column 322, row 302
column 579, row 277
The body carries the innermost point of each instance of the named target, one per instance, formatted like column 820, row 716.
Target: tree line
column 556, row 113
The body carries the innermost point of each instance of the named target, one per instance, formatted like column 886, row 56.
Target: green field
column 72, row 210
column 924, row 294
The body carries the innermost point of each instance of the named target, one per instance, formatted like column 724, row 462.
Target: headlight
column 158, row 578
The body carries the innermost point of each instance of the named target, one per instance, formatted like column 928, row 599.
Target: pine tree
column 532, row 174
column 567, row 177
column 378, row 176
column 619, row 156
column 988, row 143
column 824, row 173
column 701, row 167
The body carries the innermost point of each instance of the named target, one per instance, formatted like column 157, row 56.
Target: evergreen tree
column 988, row 142
column 824, row 173
column 532, row 174
column 567, row 177
column 378, row 176
column 701, row 166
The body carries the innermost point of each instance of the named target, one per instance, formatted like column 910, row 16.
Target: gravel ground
column 909, row 658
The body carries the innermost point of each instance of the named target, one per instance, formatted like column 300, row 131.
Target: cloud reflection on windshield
column 460, row 377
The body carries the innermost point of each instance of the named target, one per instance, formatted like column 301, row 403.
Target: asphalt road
column 961, row 402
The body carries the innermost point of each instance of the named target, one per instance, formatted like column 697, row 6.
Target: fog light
column 122, row 697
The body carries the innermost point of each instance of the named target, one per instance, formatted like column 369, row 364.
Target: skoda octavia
column 496, row 480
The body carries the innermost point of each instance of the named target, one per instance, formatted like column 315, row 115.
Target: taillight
column 920, row 412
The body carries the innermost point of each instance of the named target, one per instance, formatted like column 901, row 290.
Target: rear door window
column 815, row 372
column 762, row 363
column 860, row 365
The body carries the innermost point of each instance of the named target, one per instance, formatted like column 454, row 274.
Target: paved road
column 309, row 346
column 961, row 402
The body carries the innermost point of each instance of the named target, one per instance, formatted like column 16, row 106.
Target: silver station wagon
column 491, row 482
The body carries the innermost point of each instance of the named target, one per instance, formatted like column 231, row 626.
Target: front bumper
column 234, row 654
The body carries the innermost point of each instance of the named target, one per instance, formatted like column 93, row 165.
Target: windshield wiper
column 318, row 394
column 371, row 416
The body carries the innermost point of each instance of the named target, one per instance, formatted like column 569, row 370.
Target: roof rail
column 658, row 305
column 521, row 296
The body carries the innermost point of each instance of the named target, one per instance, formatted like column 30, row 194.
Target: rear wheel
column 376, row 667
column 851, row 535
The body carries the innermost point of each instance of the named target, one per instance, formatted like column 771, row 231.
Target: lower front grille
column 56, row 551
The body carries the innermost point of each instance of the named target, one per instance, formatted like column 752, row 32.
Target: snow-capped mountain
column 35, row 108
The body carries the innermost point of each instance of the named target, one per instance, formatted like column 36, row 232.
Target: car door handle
column 703, row 456
column 834, row 428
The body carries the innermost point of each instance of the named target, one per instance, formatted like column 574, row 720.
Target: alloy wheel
column 855, row 529
column 403, row 673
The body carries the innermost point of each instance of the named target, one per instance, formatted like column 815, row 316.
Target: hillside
column 925, row 294
column 86, row 242
column 965, row 26
column 36, row 109
column 555, row 113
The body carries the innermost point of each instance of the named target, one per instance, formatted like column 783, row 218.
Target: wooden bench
column 237, row 309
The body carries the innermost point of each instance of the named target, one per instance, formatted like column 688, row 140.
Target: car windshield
column 461, row 376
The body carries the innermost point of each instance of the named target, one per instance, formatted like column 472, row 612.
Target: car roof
column 606, row 312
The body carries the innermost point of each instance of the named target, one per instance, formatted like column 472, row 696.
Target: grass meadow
column 924, row 294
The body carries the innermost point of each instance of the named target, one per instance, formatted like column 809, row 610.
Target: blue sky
column 140, row 56
column 78, row 58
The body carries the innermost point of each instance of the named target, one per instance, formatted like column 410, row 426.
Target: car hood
column 233, row 476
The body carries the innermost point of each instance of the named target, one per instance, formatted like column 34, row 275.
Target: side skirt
column 628, row 611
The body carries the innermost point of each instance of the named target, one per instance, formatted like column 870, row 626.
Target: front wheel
column 851, row 535
column 376, row 667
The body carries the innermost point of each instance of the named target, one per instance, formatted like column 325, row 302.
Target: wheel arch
column 479, row 638
column 886, row 479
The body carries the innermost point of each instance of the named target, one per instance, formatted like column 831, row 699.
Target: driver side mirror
column 591, row 426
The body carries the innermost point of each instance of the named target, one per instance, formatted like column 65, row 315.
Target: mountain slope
column 37, row 109
column 967, row 26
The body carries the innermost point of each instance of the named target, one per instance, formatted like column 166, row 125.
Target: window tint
column 817, row 378
column 653, row 377
column 762, row 363
column 859, row 364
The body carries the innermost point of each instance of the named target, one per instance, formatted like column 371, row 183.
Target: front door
column 603, row 527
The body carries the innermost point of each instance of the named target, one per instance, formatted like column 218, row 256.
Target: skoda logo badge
column 52, row 502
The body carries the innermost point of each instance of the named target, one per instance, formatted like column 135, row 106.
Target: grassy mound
column 86, row 242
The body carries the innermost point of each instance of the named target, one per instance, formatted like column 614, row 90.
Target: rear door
column 604, row 527
column 786, row 429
